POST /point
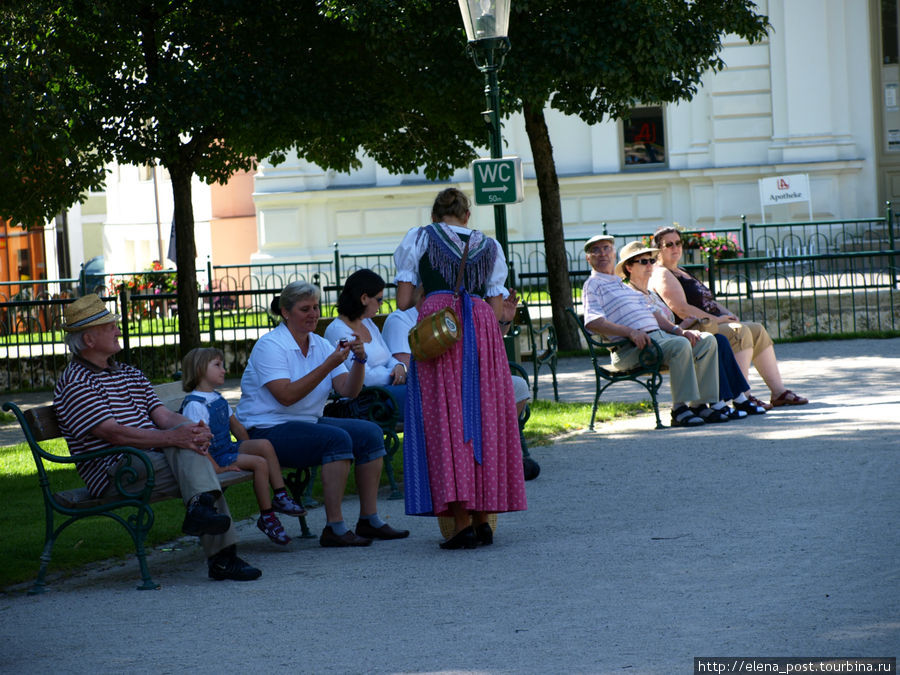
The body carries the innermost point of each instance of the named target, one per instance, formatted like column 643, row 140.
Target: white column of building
column 806, row 53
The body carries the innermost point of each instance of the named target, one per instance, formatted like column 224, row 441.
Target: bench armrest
column 649, row 358
column 128, row 473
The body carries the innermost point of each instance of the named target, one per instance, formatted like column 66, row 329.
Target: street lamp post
column 487, row 22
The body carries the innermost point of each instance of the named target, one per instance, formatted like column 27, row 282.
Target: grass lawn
column 95, row 539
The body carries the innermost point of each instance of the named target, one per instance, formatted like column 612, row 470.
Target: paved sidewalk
column 775, row 535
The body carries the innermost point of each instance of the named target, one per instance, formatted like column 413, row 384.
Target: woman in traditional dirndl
column 462, row 454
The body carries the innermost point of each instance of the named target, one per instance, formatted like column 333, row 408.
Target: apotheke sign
column 784, row 189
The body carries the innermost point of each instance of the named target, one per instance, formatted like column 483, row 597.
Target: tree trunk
column 558, row 282
column 185, row 261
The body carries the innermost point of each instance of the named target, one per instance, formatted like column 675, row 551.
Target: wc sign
column 498, row 181
column 784, row 190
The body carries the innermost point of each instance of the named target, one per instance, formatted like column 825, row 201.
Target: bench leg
column 304, row 529
column 391, row 445
column 298, row 481
column 138, row 526
column 597, row 394
column 39, row 584
column 553, row 363
column 655, row 384
column 659, row 424
column 147, row 584
column 49, row 539
column 306, row 497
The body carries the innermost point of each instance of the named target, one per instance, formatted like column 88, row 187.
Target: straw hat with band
column 87, row 312
column 631, row 250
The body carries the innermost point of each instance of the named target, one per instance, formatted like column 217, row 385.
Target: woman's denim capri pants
column 306, row 444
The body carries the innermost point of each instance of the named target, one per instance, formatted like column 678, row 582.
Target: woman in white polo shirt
column 288, row 378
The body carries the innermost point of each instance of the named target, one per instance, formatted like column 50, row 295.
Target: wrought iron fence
column 26, row 306
column 799, row 295
column 797, row 278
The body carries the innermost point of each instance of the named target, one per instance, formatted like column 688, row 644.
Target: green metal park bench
column 543, row 345
column 646, row 373
column 130, row 507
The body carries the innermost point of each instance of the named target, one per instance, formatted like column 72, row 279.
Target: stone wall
column 791, row 316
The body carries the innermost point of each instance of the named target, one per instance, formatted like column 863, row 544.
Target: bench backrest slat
column 42, row 422
column 171, row 394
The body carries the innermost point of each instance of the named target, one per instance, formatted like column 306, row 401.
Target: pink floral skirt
column 445, row 469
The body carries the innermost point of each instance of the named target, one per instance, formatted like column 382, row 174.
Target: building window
column 889, row 50
column 644, row 138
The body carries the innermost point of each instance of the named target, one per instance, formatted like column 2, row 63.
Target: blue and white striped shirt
column 606, row 296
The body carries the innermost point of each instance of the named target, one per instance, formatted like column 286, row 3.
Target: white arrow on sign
column 495, row 189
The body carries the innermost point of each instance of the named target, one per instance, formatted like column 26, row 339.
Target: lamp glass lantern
column 485, row 19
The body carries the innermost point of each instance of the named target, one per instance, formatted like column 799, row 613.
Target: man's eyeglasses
column 644, row 261
column 670, row 244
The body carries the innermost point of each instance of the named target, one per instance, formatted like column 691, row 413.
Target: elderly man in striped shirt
column 101, row 404
column 616, row 311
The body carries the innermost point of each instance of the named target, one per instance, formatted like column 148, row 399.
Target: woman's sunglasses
column 645, row 261
column 670, row 244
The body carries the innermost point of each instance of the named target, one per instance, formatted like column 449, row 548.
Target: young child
column 204, row 370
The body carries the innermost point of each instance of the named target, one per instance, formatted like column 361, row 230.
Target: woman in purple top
column 686, row 296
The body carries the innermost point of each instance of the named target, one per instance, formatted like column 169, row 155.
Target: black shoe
column 484, row 534
column 202, row 518
column 365, row 529
column 683, row 416
column 349, row 538
column 532, row 469
column 735, row 413
column 465, row 538
column 749, row 407
column 226, row 565
column 207, row 499
column 710, row 415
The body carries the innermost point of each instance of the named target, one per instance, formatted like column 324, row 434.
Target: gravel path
column 641, row 549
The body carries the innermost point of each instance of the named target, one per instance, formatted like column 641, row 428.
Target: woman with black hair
column 358, row 303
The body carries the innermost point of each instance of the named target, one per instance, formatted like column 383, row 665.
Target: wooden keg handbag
column 438, row 332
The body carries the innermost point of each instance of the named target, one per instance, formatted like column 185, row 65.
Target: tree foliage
column 203, row 87
column 50, row 151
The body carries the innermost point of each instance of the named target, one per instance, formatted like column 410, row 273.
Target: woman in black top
column 686, row 296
